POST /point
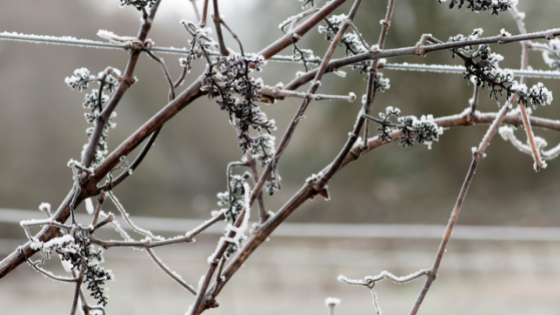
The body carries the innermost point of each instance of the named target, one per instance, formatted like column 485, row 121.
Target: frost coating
column 332, row 301
column 89, row 206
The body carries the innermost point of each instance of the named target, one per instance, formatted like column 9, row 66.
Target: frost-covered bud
column 80, row 79
column 540, row 95
column 332, row 301
column 138, row 4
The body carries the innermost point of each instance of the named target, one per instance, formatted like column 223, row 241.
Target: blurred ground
column 42, row 127
column 294, row 276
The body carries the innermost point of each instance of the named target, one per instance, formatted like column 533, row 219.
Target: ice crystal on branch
column 264, row 148
column 77, row 253
column 482, row 68
column 414, row 130
column 228, row 76
column 551, row 53
column 495, row 6
column 138, row 4
column 235, row 199
column 94, row 102
column 460, row 37
column 80, row 79
column 352, row 42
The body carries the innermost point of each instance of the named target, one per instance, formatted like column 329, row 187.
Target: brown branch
column 100, row 200
column 169, row 272
column 306, row 192
column 77, row 293
column 263, row 215
column 478, row 155
column 217, row 22
column 127, row 80
column 171, row 94
column 312, row 90
column 380, row 44
column 204, row 14
column 278, row 93
column 474, row 100
column 294, row 35
column 526, row 46
column 413, row 51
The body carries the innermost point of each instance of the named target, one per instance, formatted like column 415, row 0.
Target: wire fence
column 87, row 43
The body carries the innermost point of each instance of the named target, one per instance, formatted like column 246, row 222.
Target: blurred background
column 42, row 127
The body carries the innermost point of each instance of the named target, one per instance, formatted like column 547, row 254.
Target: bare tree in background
column 230, row 79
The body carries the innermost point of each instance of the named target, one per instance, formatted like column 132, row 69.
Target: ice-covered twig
column 370, row 282
column 175, row 276
column 331, row 303
column 100, row 200
column 77, row 293
column 473, row 102
column 301, row 110
column 126, row 217
column 478, row 154
column 507, row 134
column 545, row 74
column 159, row 60
column 276, row 92
column 48, row 274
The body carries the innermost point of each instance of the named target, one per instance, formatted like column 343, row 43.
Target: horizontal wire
column 71, row 41
column 87, row 43
column 460, row 69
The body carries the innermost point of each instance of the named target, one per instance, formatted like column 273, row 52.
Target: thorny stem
column 478, row 155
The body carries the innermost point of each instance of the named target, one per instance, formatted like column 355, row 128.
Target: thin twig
column 478, row 154
column 413, row 51
column 127, row 80
column 276, row 92
column 100, row 200
column 526, row 46
column 204, row 14
column 473, row 102
column 171, row 95
column 312, row 90
column 263, row 215
column 170, row 273
column 77, row 293
column 217, row 22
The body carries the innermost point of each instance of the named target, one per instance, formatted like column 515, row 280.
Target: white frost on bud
column 332, row 301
